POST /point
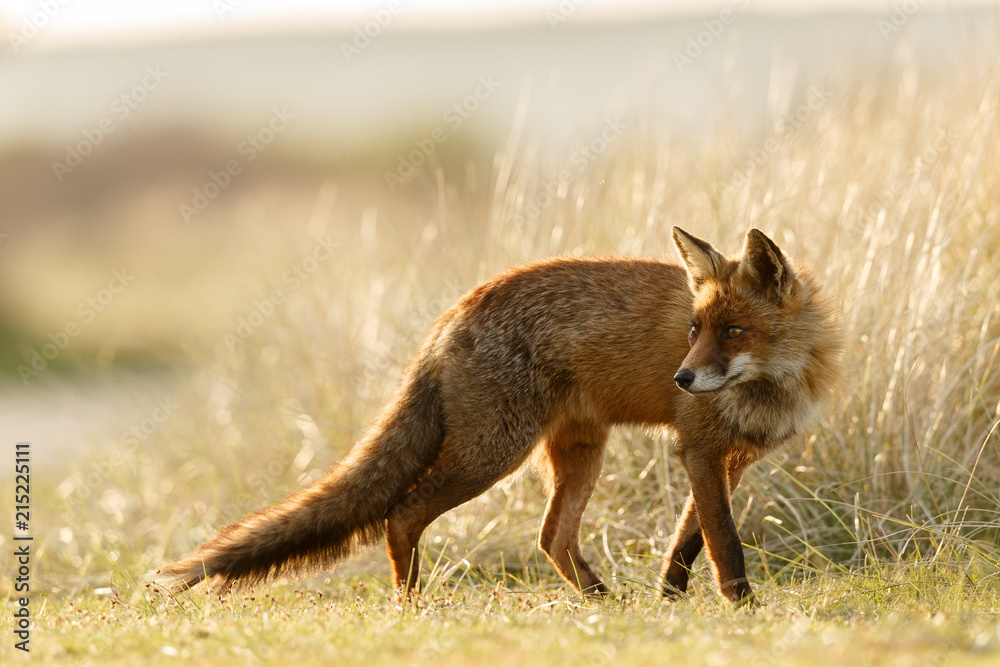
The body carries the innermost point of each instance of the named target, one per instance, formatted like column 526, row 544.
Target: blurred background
column 226, row 224
column 119, row 119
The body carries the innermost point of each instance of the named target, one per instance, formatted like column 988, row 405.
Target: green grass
column 918, row 615
column 873, row 540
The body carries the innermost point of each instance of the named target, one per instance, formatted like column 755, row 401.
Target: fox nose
column 684, row 379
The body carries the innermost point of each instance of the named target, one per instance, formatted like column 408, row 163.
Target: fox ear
column 764, row 266
column 699, row 257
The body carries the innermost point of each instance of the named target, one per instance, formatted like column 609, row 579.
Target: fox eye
column 730, row 333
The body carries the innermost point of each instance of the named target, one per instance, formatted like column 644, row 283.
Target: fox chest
column 767, row 416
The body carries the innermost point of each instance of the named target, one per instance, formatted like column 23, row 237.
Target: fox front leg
column 710, row 491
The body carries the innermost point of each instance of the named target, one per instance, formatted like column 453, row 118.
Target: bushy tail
column 346, row 509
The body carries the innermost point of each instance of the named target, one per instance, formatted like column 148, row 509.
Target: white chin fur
column 712, row 381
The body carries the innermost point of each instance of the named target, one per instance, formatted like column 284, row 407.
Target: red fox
column 733, row 357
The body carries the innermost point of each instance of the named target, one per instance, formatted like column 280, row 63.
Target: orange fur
column 547, row 358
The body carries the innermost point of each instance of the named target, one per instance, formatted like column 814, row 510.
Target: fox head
column 744, row 314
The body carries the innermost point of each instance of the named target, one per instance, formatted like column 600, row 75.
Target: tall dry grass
column 886, row 184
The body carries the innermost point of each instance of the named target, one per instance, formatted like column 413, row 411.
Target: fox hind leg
column 572, row 461
column 457, row 477
column 439, row 492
